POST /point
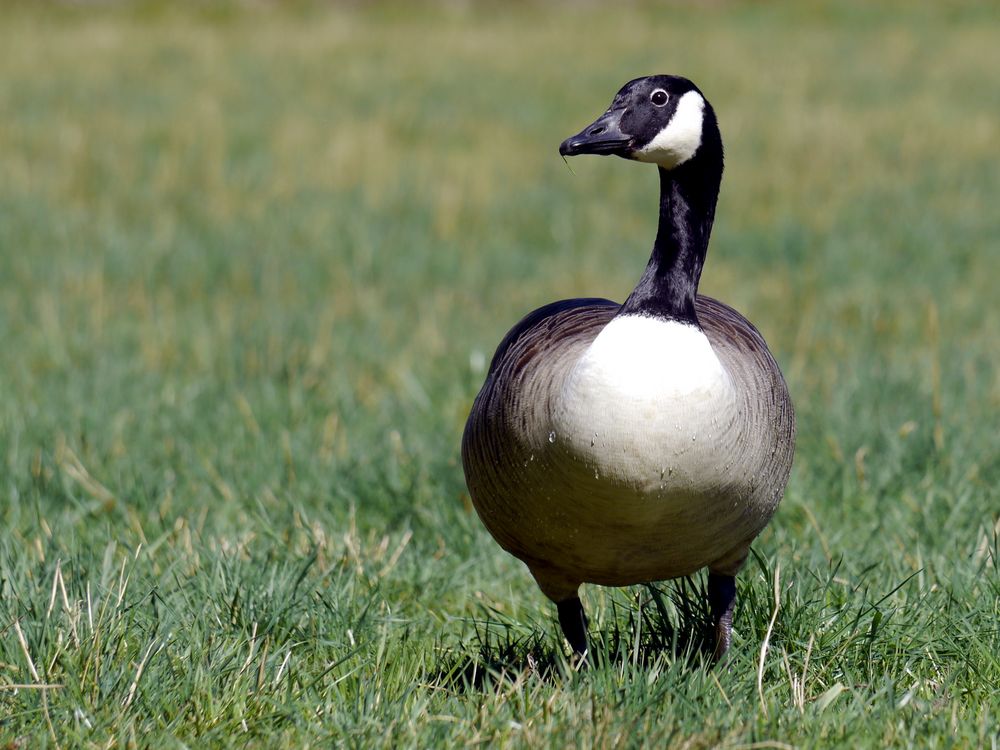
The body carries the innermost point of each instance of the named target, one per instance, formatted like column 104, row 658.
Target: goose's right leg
column 721, row 601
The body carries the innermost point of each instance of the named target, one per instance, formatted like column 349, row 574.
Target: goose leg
column 721, row 600
column 574, row 624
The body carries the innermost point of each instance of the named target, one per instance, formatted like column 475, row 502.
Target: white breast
column 647, row 403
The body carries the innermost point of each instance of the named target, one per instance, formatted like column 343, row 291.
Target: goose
column 618, row 444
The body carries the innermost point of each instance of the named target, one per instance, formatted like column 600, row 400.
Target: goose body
column 625, row 443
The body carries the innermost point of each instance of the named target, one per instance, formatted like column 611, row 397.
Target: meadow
column 253, row 260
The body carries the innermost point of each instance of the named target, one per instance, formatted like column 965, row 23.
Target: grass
column 253, row 259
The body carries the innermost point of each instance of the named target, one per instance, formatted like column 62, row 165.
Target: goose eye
column 658, row 97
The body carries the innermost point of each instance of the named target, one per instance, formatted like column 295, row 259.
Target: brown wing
column 769, row 418
column 519, row 384
column 547, row 322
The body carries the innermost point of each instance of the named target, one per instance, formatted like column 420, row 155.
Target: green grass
column 251, row 263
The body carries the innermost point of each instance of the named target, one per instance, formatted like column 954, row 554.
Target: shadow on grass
column 662, row 619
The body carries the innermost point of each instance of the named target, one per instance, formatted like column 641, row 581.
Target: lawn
column 253, row 259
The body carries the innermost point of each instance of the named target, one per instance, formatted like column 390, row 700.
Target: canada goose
column 621, row 444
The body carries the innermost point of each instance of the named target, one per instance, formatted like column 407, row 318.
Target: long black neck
column 688, row 195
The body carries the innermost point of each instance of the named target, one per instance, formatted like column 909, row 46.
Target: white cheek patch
column 680, row 139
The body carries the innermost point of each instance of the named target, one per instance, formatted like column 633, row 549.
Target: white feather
column 649, row 358
column 646, row 393
column 681, row 137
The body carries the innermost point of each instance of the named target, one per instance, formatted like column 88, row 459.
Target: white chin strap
column 680, row 139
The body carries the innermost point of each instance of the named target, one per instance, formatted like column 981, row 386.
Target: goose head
column 662, row 120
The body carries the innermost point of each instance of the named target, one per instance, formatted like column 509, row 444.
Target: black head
column 662, row 120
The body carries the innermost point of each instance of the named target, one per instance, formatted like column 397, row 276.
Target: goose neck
column 669, row 285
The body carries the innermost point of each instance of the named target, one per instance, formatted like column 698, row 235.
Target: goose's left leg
column 565, row 592
column 574, row 624
column 721, row 600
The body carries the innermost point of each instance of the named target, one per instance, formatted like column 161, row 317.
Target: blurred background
column 255, row 256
